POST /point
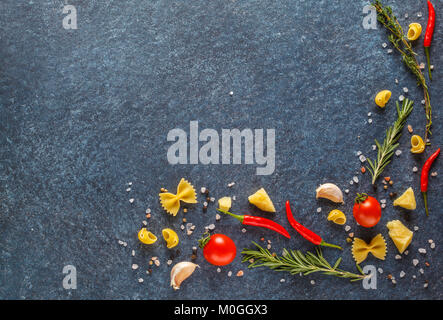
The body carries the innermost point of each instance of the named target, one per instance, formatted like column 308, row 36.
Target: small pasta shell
column 414, row 31
column 170, row 237
column 146, row 236
column 337, row 217
column 382, row 98
column 417, row 144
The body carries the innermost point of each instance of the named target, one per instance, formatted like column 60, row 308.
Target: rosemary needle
column 295, row 262
column 390, row 143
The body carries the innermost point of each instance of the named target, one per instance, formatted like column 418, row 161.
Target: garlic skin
column 180, row 272
column 331, row 192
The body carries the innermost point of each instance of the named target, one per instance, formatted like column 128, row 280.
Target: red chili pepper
column 259, row 222
column 429, row 33
column 305, row 232
column 425, row 176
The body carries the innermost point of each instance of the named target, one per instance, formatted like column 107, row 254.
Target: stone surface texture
column 84, row 112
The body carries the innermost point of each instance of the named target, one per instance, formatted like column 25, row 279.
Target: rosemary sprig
column 393, row 133
column 409, row 57
column 295, row 262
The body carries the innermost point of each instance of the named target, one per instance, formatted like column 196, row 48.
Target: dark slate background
column 84, row 112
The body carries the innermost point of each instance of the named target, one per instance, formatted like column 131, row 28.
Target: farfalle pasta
column 185, row 192
column 377, row 246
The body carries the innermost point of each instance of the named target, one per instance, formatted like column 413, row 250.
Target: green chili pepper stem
column 425, row 199
column 429, row 62
column 325, row 244
column 236, row 216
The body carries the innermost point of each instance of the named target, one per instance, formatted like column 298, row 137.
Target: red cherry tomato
column 220, row 250
column 367, row 210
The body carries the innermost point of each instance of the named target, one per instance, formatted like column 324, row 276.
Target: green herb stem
column 295, row 262
column 402, row 44
column 390, row 143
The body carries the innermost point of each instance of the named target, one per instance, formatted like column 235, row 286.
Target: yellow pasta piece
column 337, row 217
column 171, row 202
column 414, row 31
column 170, row 237
column 401, row 235
column 225, row 203
column 377, row 246
column 147, row 237
column 417, row 144
column 382, row 98
column 262, row 201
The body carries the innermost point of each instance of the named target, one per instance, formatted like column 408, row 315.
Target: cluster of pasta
column 377, row 247
column 171, row 202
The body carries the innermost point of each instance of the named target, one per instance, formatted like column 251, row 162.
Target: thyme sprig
column 390, row 143
column 409, row 57
column 295, row 262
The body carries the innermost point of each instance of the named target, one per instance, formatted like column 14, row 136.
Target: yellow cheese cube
column 262, row 201
column 401, row 235
column 224, row 203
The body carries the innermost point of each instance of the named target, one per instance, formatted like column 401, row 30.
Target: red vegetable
column 218, row 249
column 424, row 177
column 367, row 210
column 429, row 33
column 305, row 232
column 259, row 222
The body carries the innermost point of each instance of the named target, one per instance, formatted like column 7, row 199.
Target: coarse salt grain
column 397, row 257
column 401, row 98
column 229, row 273
column 318, row 210
column 430, row 241
column 405, row 90
column 211, row 226
column 369, row 121
column 406, row 252
column 422, row 250
column 282, row 280
column 416, row 228
column 380, row 270
column 398, row 152
column 148, row 210
column 432, row 245
column 133, row 253
column 140, row 280
column 217, row 217
column 131, row 200
column 347, row 191
column 362, row 158
column 390, row 51
column 374, row 147
column 359, row 153
column 369, row 114
column 384, row 44
column 415, row 169
column 145, row 223
column 203, row 190
column 421, row 271
column 383, row 205
column 312, row 282
column 134, row 266
column 128, row 189
column 434, row 174
column 243, row 230
column 351, row 182
column 231, row 184
column 402, row 274
column 169, row 262
column 383, row 201
column 347, row 228
column 218, row 270
column 415, row 262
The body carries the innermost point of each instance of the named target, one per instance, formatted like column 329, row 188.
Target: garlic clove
column 180, row 272
column 330, row 191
